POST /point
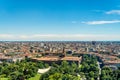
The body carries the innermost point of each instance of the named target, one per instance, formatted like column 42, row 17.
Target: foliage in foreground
column 109, row 74
column 72, row 71
column 20, row 70
column 64, row 71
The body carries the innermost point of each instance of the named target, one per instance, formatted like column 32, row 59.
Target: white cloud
column 101, row 22
column 49, row 37
column 6, row 36
column 113, row 12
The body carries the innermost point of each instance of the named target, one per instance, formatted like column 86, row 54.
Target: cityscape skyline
column 59, row 40
column 61, row 20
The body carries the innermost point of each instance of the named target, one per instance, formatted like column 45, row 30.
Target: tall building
column 93, row 42
column 64, row 52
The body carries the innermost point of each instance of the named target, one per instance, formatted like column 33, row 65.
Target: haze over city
column 59, row 20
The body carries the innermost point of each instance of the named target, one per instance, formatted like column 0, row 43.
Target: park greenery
column 63, row 71
column 90, row 67
column 26, row 69
column 86, row 70
column 109, row 74
column 20, row 70
column 71, row 71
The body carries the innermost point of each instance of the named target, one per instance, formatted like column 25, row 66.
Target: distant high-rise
column 64, row 53
column 42, row 44
column 93, row 42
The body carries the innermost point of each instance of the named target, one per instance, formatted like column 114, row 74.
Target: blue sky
column 59, row 20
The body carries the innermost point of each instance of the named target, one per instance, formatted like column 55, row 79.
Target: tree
column 56, row 76
column 91, row 74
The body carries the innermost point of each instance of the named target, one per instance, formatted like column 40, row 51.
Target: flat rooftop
column 112, row 62
column 47, row 58
column 71, row 58
column 55, row 58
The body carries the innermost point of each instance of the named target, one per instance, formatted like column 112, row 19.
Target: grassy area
column 80, row 66
column 3, row 78
column 37, row 77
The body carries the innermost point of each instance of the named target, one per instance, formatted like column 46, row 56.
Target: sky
column 59, row 20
